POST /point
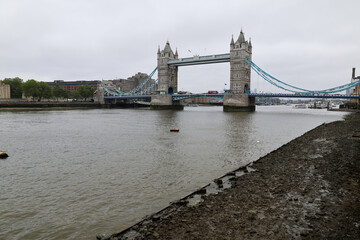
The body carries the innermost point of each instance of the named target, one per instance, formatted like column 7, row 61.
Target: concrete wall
column 159, row 102
column 239, row 103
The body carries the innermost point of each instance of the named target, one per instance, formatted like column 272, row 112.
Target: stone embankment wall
column 22, row 104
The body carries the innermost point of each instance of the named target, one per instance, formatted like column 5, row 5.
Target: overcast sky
column 311, row 44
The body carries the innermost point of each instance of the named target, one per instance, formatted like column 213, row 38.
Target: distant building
column 356, row 90
column 73, row 85
column 130, row 83
column 124, row 85
column 4, row 91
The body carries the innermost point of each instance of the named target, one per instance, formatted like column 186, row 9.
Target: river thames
column 78, row 173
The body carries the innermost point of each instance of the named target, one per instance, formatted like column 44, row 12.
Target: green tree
column 58, row 92
column 74, row 95
column 30, row 89
column 67, row 95
column 44, row 91
column 15, row 86
column 85, row 91
column 37, row 90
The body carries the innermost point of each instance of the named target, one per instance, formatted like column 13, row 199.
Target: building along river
column 74, row 174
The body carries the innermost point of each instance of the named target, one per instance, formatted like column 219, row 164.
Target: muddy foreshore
column 308, row 188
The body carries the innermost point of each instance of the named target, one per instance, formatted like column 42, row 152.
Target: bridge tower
column 167, row 80
column 238, row 99
column 167, row 74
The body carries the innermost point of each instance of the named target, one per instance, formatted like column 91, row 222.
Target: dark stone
column 156, row 217
column 167, row 107
column 227, row 108
column 218, row 181
column 201, row 191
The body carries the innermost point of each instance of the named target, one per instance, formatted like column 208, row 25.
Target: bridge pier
column 100, row 95
column 238, row 103
column 160, row 102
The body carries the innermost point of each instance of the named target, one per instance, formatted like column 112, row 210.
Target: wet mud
column 306, row 189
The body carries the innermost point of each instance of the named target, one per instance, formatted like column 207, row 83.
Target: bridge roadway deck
column 221, row 96
column 219, row 58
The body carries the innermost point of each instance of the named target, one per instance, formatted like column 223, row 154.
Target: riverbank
column 38, row 106
column 308, row 188
column 344, row 110
column 5, row 106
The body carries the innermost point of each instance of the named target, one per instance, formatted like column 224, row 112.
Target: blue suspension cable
column 136, row 89
column 266, row 76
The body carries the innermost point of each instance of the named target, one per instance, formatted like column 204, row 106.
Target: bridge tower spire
column 238, row 99
column 167, row 75
column 167, row 80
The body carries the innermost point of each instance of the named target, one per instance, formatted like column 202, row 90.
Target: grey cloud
column 307, row 43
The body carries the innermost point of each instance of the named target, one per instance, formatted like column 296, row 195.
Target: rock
column 3, row 155
column 260, row 216
column 304, row 234
column 182, row 202
column 218, row 181
column 100, row 236
column 201, row 191
column 155, row 234
column 252, row 217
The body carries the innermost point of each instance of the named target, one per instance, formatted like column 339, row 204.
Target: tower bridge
column 238, row 98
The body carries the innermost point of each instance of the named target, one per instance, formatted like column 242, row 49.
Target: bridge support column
column 159, row 102
column 100, row 96
column 238, row 103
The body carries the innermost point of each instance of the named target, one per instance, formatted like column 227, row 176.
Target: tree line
column 41, row 90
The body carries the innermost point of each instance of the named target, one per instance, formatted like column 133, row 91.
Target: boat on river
column 300, row 106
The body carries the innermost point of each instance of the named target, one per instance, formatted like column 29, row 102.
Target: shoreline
column 308, row 187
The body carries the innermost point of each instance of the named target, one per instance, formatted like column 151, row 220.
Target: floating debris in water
column 3, row 155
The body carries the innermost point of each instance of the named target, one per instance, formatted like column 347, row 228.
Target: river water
column 77, row 173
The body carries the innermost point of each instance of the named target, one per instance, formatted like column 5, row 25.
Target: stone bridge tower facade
column 239, row 69
column 240, row 75
column 167, row 81
column 167, row 74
